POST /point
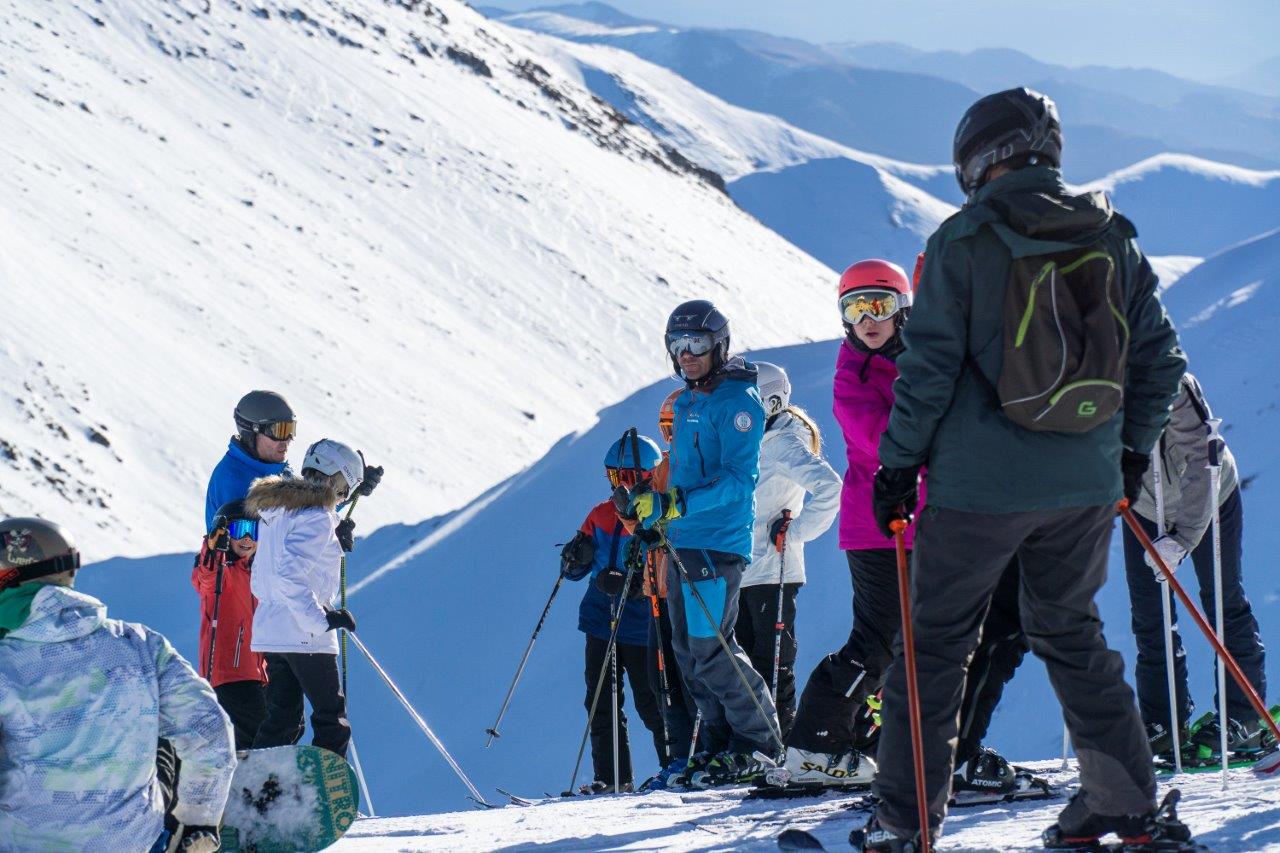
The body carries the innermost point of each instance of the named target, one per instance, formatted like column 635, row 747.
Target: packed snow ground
column 1245, row 818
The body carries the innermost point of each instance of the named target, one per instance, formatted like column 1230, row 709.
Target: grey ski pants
column 709, row 674
column 957, row 563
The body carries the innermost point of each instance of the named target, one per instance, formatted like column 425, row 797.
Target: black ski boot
column 873, row 838
column 1080, row 829
column 985, row 771
column 1160, row 740
column 732, row 768
column 1206, row 740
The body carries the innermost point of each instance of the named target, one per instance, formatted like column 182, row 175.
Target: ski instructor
column 709, row 508
column 1040, row 483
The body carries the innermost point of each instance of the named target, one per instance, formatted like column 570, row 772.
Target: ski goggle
column 626, row 477
column 694, row 343
column 869, row 302
column 242, row 527
column 667, row 426
column 279, row 431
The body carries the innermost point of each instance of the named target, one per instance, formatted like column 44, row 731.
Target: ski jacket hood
column 790, row 471
column 84, row 699
column 862, row 398
column 233, row 657
column 297, row 569
column 943, row 416
column 232, row 476
column 715, row 461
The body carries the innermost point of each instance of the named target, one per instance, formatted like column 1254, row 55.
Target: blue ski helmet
column 622, row 453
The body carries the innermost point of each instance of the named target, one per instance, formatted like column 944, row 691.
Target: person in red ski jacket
column 238, row 674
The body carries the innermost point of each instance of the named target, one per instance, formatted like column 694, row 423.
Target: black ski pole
column 595, row 699
column 664, row 686
column 724, row 644
column 221, row 545
column 778, row 624
column 493, row 731
column 342, row 586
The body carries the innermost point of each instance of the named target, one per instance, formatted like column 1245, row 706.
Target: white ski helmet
column 331, row 457
column 775, row 387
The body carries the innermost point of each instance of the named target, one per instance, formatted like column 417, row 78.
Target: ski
column 1210, row 765
column 798, row 839
column 796, row 790
column 516, row 800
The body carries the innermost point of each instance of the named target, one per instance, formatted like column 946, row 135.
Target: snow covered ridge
column 440, row 248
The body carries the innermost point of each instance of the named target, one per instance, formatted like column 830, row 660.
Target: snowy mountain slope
column 1184, row 205
column 1118, row 115
column 441, row 249
column 1247, row 818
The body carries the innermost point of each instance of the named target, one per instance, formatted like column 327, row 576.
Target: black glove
column 346, row 533
column 894, row 494
column 611, row 580
column 577, row 556
column 339, row 619
column 372, row 477
column 199, row 839
column 778, row 530
column 1132, row 466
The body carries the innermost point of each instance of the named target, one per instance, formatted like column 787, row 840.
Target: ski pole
column 1223, row 655
column 1066, row 745
column 476, row 796
column 693, row 741
column 1215, row 445
column 1166, row 606
column 899, row 526
column 342, row 591
column 217, row 601
column 778, row 623
column 616, row 613
column 664, row 686
column 524, row 659
column 591, row 712
column 364, row 786
column 771, row 723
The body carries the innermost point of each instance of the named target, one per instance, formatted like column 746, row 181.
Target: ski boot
column 1160, row 830
column 592, row 789
column 1205, row 745
column 825, row 769
column 873, row 838
column 986, row 771
column 732, row 768
column 1258, row 737
column 695, row 764
column 1161, row 741
column 661, row 780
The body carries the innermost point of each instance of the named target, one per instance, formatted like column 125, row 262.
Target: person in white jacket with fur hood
column 295, row 579
column 791, row 468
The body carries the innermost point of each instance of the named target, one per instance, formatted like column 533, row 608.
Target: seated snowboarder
column 84, row 701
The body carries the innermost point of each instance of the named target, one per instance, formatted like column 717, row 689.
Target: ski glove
column 346, row 533
column 372, row 477
column 894, row 494
column 611, row 580
column 778, row 530
column 652, row 508
column 199, row 839
column 339, row 619
column 578, row 556
column 1132, row 466
column 1170, row 551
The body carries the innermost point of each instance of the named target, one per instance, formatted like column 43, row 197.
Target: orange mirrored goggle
column 626, row 477
column 873, row 303
column 280, row 431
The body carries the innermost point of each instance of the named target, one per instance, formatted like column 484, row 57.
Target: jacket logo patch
column 742, row 422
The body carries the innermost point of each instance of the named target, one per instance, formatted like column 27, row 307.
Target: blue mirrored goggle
column 694, row 343
column 242, row 527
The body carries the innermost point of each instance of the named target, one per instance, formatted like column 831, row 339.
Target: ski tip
column 798, row 839
column 1268, row 765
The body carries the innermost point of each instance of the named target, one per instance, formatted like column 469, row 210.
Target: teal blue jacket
column 979, row 460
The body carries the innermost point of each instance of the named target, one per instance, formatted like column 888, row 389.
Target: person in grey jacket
column 1188, row 514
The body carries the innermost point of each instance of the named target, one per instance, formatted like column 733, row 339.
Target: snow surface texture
column 445, row 252
column 1246, row 819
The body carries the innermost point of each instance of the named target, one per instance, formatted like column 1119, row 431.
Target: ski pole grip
column 898, row 525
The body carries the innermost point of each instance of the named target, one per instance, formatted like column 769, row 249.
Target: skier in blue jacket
column 709, row 509
column 265, row 426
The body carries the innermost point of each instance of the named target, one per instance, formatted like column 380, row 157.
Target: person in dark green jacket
column 999, row 490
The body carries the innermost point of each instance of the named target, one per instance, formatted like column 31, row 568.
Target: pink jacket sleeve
column 860, row 408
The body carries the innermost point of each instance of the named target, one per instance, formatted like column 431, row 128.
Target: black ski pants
column 680, row 711
column 633, row 666
column 756, row 632
column 1240, row 628
column 290, row 677
column 957, row 564
column 246, row 704
column 840, row 684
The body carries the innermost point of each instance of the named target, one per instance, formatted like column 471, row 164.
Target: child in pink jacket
column 835, row 726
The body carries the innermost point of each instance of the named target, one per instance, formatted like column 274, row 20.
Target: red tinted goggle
column 280, row 431
column 627, row 477
column 876, row 304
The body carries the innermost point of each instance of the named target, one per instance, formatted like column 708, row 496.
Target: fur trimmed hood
column 288, row 494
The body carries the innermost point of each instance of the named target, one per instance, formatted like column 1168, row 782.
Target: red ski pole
column 898, row 526
column 1223, row 655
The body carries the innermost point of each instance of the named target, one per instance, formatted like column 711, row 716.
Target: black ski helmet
column 34, row 548
column 699, row 315
column 1002, row 126
column 258, row 410
column 234, row 511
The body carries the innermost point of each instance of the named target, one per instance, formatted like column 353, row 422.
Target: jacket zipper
column 235, row 662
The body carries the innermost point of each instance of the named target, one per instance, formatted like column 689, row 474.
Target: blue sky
column 1198, row 39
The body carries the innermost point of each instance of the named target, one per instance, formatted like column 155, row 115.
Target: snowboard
column 289, row 798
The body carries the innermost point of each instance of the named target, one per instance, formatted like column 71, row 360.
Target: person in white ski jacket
column 791, row 469
column 84, row 702
column 295, row 578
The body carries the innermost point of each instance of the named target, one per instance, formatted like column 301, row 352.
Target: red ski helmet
column 874, row 273
column 879, row 288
